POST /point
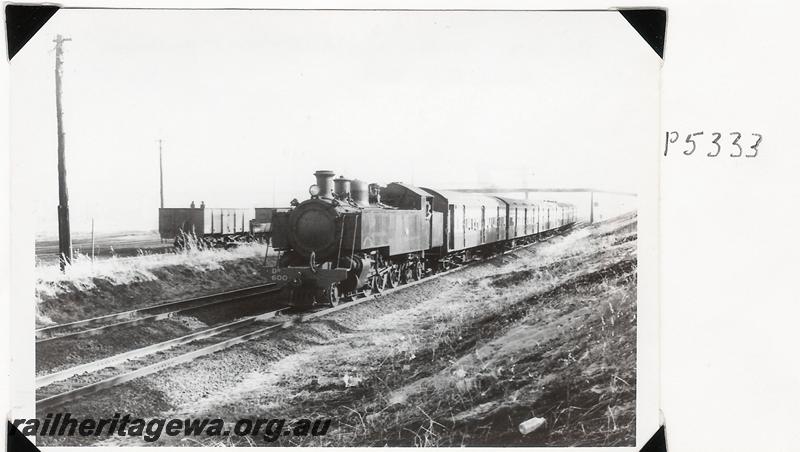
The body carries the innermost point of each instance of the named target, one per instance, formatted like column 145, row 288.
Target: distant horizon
column 41, row 237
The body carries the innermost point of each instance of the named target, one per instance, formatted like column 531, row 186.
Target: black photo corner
column 22, row 23
column 651, row 24
column 17, row 442
column 657, row 442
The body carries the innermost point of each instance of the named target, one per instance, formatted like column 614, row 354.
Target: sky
column 250, row 103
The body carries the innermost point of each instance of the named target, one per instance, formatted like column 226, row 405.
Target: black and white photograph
column 336, row 227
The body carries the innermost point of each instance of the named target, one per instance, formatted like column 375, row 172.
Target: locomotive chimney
column 359, row 192
column 341, row 187
column 325, row 183
column 374, row 194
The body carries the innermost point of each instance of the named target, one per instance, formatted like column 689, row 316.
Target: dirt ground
column 56, row 355
column 548, row 332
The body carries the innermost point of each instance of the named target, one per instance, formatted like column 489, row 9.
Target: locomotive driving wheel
column 408, row 271
column 379, row 282
column 393, row 276
column 419, row 270
column 332, row 295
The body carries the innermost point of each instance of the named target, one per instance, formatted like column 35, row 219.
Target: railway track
column 97, row 325
column 140, row 353
column 247, row 329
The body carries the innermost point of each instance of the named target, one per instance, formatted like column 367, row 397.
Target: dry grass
column 85, row 275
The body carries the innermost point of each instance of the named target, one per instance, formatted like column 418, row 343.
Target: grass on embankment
column 88, row 289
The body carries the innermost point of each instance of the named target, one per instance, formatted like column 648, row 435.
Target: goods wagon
column 210, row 225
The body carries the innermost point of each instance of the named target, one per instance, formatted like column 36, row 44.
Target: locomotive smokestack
column 341, row 187
column 374, row 194
column 325, row 183
column 359, row 192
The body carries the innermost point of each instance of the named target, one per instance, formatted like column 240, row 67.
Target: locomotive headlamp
column 313, row 190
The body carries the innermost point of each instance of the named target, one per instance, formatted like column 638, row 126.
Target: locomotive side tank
column 401, row 225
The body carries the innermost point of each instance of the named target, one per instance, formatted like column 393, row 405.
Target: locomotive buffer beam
column 306, row 276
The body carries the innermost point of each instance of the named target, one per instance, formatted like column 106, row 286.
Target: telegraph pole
column 64, row 238
column 591, row 207
column 93, row 240
column 161, row 171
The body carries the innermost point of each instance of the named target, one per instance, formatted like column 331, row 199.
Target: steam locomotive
column 352, row 237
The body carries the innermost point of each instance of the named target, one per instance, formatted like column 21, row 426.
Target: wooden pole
column 591, row 207
column 64, row 237
column 161, row 171
column 92, row 239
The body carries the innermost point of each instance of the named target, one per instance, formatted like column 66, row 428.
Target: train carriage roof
column 467, row 199
column 416, row 190
column 513, row 202
column 518, row 202
column 403, row 196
